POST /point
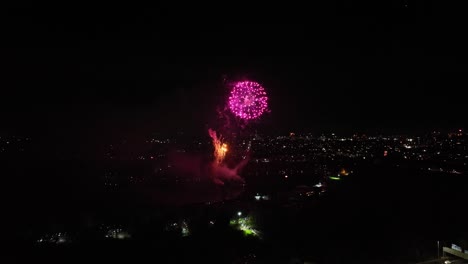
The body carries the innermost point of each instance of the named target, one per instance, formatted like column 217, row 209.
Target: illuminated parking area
column 245, row 224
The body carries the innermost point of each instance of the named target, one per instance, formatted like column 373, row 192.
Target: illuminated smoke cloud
column 216, row 171
column 219, row 171
column 220, row 148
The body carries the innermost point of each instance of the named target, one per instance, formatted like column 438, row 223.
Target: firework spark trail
column 248, row 100
column 220, row 148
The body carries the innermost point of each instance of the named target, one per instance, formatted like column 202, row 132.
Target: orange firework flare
column 220, row 148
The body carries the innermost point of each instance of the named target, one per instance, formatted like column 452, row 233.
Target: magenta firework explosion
column 248, row 100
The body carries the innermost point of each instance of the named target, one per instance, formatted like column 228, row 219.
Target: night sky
column 96, row 71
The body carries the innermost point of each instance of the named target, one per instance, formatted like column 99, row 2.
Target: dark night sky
column 344, row 67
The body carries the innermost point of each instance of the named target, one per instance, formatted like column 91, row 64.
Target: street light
column 438, row 250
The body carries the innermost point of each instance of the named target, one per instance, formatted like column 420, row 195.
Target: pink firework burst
column 248, row 100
